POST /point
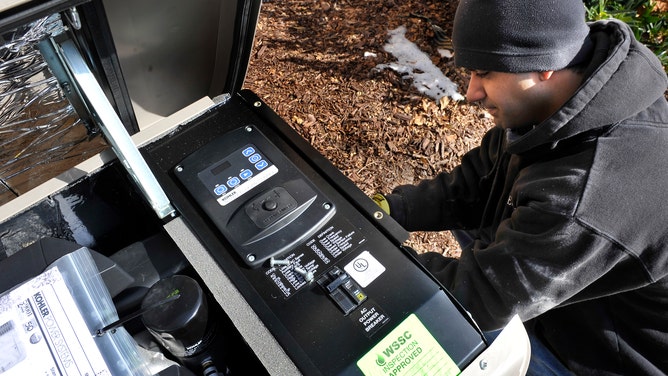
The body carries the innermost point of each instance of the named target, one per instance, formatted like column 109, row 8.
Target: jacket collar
column 624, row 77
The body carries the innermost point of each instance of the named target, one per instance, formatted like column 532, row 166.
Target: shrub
column 647, row 18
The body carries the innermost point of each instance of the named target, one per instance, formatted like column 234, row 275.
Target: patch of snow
column 414, row 63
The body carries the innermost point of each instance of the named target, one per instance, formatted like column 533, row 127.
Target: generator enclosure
column 301, row 271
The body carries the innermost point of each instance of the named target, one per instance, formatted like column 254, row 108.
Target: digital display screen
column 220, row 168
column 237, row 173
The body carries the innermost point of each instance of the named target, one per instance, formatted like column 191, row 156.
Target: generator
column 294, row 269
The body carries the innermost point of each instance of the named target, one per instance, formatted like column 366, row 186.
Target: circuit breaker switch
column 337, row 282
column 354, row 291
column 342, row 289
column 343, row 301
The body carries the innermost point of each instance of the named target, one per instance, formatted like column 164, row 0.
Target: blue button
column 248, row 151
column 254, row 158
column 261, row 164
column 219, row 190
column 233, row 182
column 246, row 174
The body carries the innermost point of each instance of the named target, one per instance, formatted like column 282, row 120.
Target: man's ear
column 544, row 76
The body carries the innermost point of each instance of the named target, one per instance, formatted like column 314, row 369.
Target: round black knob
column 269, row 205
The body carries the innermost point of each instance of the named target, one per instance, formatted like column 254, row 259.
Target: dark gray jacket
column 571, row 218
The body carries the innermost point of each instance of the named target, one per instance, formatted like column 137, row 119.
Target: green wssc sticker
column 409, row 350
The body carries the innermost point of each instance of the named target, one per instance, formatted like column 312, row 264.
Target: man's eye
column 481, row 73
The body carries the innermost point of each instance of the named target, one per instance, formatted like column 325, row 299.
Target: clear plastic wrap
column 51, row 323
column 86, row 285
column 40, row 133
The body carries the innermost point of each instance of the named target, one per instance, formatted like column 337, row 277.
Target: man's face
column 513, row 99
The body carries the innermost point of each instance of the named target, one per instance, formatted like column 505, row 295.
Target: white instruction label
column 42, row 331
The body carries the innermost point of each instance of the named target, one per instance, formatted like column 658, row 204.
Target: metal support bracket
column 102, row 113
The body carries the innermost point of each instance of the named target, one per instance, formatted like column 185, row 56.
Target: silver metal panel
column 168, row 50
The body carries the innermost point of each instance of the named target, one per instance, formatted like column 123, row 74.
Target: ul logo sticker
column 360, row 264
column 364, row 269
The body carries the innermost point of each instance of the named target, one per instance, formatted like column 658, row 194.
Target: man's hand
column 381, row 201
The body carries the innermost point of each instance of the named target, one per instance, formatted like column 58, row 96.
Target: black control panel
column 263, row 209
column 332, row 284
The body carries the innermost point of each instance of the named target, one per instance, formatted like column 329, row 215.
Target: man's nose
column 475, row 91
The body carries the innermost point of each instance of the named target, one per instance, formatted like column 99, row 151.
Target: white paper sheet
column 42, row 332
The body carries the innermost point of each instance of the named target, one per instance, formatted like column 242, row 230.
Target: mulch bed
column 314, row 64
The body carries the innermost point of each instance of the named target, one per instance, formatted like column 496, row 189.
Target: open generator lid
column 140, row 60
column 167, row 53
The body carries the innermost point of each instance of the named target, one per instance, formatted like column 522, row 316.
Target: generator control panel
column 339, row 295
column 262, row 208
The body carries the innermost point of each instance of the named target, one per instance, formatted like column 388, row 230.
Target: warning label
column 332, row 241
column 312, row 257
column 407, row 351
column 293, row 275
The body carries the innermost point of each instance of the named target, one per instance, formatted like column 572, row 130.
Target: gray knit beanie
column 520, row 36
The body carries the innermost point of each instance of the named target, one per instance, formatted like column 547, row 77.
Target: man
column 566, row 199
